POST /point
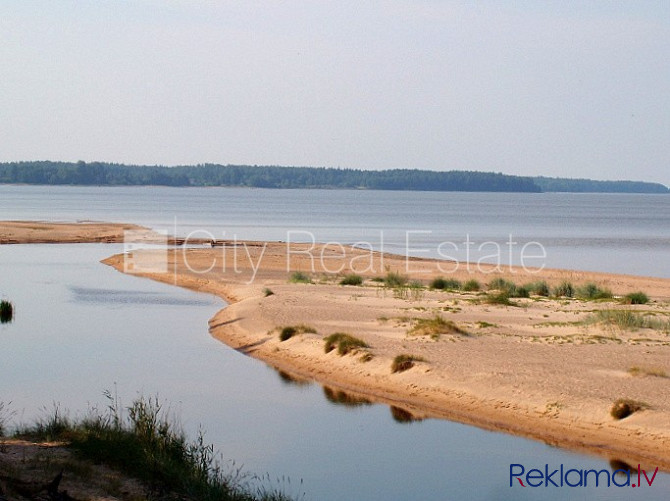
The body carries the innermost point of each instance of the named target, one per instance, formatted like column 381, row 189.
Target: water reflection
column 404, row 416
column 121, row 296
column 339, row 397
column 617, row 464
column 292, row 380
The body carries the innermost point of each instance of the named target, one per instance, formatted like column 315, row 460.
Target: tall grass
column 539, row 288
column 6, row 311
column 149, row 445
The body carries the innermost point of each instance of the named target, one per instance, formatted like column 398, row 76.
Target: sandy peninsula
column 545, row 368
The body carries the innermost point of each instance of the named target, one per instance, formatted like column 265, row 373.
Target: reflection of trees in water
column 403, row 416
column 617, row 464
column 340, row 397
column 292, row 380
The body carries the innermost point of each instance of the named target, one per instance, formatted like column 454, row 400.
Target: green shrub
column 6, row 311
column 267, row 292
column 624, row 407
column 404, row 362
column 298, row 277
column 565, row 289
column 538, row 288
column 445, row 284
column 352, row 279
column 636, row 298
column 345, row 343
column 471, row 285
column 592, row 291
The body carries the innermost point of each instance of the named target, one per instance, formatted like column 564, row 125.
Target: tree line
column 109, row 174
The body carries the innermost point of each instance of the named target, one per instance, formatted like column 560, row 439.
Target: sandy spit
column 541, row 368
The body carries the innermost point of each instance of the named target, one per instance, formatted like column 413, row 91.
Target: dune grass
column 628, row 320
column 289, row 331
column 298, row 277
column 625, row 407
column 471, row 285
column 591, row 291
column 146, row 443
column 636, row 298
column 404, row 362
column 540, row 288
column 345, row 343
column 435, row 327
column 441, row 283
column 352, row 279
column 647, row 371
column 564, row 289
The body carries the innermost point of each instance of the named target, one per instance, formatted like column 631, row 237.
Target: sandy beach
column 542, row 368
column 545, row 368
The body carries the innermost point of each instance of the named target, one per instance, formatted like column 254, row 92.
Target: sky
column 554, row 88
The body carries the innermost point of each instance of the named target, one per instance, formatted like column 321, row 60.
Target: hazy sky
column 539, row 87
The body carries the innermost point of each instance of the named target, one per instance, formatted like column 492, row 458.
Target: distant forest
column 106, row 174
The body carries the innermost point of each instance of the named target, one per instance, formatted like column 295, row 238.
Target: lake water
column 82, row 328
column 625, row 233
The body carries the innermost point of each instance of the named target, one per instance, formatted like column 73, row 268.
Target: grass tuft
column 538, row 288
column 647, row 371
column 636, row 298
column 352, row 279
column 394, row 280
column 298, row 277
column 289, row 331
column 501, row 298
column 565, row 289
column 471, row 285
column 592, row 291
column 435, row 327
column 6, row 311
column 440, row 283
column 267, row 292
column 404, row 362
column 345, row 343
column 625, row 407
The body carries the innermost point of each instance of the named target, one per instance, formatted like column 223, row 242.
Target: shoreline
column 477, row 379
column 538, row 369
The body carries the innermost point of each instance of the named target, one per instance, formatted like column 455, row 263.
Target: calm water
column 82, row 328
column 602, row 232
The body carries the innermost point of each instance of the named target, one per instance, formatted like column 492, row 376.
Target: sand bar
column 542, row 368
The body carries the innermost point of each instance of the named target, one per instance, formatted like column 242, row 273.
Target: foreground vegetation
column 146, row 443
